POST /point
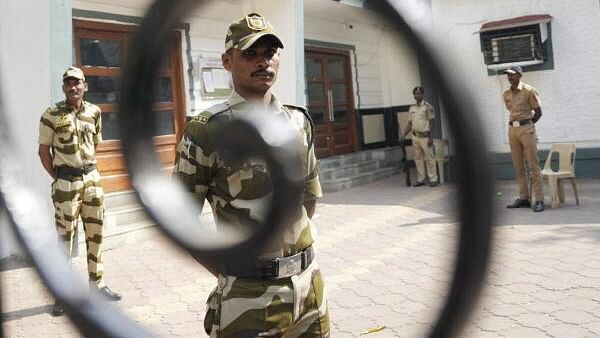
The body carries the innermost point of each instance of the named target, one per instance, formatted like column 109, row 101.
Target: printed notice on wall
column 208, row 81
column 214, row 79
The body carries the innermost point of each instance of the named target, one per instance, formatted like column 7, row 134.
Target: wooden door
column 330, row 101
column 101, row 50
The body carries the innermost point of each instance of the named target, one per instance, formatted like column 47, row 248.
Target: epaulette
column 304, row 111
column 197, row 125
column 91, row 105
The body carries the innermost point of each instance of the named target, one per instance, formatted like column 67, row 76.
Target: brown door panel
column 105, row 50
column 331, row 100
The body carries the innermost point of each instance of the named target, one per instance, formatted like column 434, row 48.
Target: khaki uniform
column 239, row 195
column 72, row 135
column 420, row 115
column 523, row 139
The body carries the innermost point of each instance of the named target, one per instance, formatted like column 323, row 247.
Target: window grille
column 513, row 45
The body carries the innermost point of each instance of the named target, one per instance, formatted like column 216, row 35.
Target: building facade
column 352, row 69
column 563, row 68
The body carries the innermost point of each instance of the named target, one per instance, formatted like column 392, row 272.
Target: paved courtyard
column 387, row 254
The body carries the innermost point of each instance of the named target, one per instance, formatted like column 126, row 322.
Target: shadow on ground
column 30, row 312
column 442, row 200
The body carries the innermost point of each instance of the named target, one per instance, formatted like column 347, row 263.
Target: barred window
column 523, row 41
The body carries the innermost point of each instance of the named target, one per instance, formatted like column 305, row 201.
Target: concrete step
column 351, row 170
column 120, row 217
column 119, row 199
column 344, row 160
column 363, row 178
column 392, row 154
column 123, row 212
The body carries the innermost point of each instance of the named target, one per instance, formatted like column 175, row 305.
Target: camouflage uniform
column 73, row 134
column 420, row 115
column 248, row 307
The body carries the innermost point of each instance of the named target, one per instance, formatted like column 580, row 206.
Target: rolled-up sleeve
column 46, row 130
column 312, row 185
column 193, row 166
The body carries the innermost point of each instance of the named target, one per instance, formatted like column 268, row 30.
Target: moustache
column 262, row 73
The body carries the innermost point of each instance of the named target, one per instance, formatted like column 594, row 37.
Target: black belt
column 276, row 268
column 517, row 123
column 67, row 172
column 421, row 133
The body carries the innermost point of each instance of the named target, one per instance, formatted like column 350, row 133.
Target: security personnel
column 420, row 123
column 523, row 103
column 270, row 299
column 69, row 133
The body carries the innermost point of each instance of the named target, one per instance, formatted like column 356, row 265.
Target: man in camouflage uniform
column 251, row 301
column 420, row 122
column 70, row 131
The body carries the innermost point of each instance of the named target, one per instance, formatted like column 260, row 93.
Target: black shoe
column 433, row 184
column 519, row 203
column 58, row 309
column 539, row 206
column 109, row 294
column 419, row 184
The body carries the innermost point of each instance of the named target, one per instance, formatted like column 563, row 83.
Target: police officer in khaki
column 283, row 295
column 420, row 123
column 523, row 103
column 69, row 133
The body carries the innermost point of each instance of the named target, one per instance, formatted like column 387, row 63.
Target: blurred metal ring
column 474, row 177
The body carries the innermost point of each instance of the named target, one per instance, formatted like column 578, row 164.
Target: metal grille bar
column 176, row 214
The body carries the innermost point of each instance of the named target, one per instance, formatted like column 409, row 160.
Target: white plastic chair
column 566, row 171
column 440, row 156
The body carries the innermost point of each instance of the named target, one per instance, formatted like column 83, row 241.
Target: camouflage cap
column 73, row 72
column 245, row 31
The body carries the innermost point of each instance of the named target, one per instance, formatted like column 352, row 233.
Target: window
column 523, row 41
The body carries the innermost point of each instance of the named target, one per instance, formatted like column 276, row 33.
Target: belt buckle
column 289, row 266
column 516, row 123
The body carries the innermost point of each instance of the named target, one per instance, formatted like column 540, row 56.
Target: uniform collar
column 519, row 86
column 70, row 108
column 275, row 106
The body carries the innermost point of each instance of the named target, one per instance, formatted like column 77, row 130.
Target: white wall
column 386, row 67
column 569, row 92
column 25, row 85
column 209, row 27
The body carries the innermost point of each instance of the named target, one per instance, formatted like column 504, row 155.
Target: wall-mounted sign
column 214, row 79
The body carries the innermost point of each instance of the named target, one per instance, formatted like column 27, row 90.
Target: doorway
column 330, row 100
column 100, row 51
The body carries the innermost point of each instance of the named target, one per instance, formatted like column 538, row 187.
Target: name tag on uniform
column 516, row 124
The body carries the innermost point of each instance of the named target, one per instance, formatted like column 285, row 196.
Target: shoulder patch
column 217, row 108
column 303, row 110
column 529, row 87
column 197, row 129
column 207, row 114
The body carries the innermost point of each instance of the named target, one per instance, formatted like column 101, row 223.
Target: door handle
column 330, row 102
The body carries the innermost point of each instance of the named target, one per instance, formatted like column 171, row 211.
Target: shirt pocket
column 89, row 132
column 65, row 133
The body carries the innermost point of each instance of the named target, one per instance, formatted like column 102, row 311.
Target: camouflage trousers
column 289, row 307
column 81, row 196
column 424, row 154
